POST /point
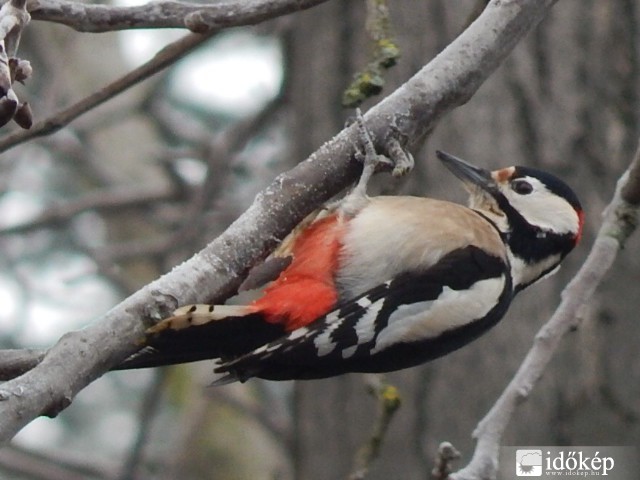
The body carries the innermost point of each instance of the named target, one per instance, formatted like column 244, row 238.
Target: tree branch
column 117, row 199
column 13, row 19
column 229, row 15
column 165, row 57
column 215, row 272
column 197, row 17
column 61, row 464
column 14, row 362
column 620, row 221
column 148, row 413
column 389, row 401
column 447, row 454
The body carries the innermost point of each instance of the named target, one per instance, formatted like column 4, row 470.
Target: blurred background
column 92, row 213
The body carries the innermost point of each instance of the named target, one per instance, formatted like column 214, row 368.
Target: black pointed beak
column 469, row 174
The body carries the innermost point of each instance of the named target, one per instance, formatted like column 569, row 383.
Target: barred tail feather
column 200, row 314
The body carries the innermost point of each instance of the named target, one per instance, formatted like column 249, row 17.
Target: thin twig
column 447, row 454
column 260, row 412
column 230, row 15
column 370, row 80
column 13, row 19
column 165, row 57
column 221, row 150
column 389, row 401
column 184, row 435
column 61, row 464
column 148, row 413
column 620, row 221
column 113, row 199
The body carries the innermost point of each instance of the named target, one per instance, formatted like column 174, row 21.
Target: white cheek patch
column 452, row 309
column 544, row 209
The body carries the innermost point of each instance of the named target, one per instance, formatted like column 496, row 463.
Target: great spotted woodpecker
column 384, row 283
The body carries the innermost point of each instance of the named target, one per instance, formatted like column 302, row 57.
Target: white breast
column 393, row 235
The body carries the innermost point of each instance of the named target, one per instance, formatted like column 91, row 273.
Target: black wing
column 401, row 323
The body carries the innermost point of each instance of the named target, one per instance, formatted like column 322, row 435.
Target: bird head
column 539, row 216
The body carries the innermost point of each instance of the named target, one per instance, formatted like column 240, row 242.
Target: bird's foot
column 397, row 160
column 367, row 155
column 402, row 159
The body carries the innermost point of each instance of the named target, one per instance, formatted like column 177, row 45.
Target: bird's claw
column 366, row 150
column 397, row 159
column 401, row 158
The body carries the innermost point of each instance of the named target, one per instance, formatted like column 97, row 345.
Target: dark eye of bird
column 521, row 187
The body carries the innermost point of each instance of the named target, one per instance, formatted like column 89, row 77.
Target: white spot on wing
column 365, row 327
column 323, row 342
column 452, row 309
column 261, row 349
column 363, row 302
column 333, row 316
column 299, row 332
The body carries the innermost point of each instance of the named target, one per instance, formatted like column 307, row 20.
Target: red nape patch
column 578, row 236
column 306, row 290
column 503, row 175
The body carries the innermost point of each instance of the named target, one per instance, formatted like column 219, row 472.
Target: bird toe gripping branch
column 397, row 158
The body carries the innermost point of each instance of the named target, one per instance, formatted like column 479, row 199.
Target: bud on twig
column 24, row 116
column 20, row 69
column 8, row 107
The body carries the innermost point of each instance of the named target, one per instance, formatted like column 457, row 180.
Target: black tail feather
column 227, row 338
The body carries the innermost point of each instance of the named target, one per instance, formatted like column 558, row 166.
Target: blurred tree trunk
column 567, row 101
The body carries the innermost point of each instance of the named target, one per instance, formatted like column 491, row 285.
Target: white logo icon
column 529, row 463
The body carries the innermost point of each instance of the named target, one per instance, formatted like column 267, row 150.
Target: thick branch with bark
column 620, row 221
column 214, row 273
column 197, row 17
column 14, row 362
